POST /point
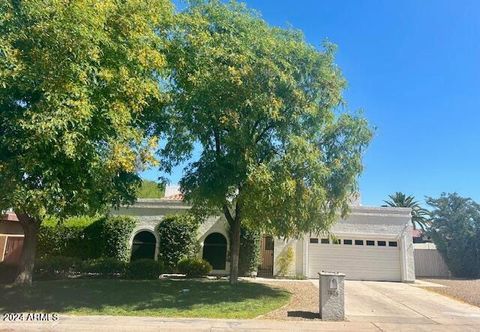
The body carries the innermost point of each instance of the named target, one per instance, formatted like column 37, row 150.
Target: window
column 325, row 241
column 313, row 240
column 268, row 243
column 392, row 243
column 370, row 243
column 349, row 242
column 381, row 243
column 359, row 242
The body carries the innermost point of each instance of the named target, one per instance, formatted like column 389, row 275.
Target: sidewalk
column 115, row 323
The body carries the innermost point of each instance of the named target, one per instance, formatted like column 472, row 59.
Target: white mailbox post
column 332, row 298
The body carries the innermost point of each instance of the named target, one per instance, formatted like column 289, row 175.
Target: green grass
column 163, row 298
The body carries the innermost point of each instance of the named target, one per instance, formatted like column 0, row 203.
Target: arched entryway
column 143, row 245
column 215, row 250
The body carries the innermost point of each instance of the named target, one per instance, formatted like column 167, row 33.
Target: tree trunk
column 30, row 228
column 235, row 250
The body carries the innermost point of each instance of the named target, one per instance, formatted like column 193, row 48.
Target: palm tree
column 419, row 214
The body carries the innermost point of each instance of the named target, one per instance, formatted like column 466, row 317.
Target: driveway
column 386, row 304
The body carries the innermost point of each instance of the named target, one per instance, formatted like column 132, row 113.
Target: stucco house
column 372, row 243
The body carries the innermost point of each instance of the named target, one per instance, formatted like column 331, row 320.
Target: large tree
column 75, row 78
column 260, row 104
column 419, row 215
column 455, row 230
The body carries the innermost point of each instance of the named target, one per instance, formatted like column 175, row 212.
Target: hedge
column 177, row 239
column 60, row 267
column 87, row 237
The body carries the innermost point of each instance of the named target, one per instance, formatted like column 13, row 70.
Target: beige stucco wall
column 280, row 247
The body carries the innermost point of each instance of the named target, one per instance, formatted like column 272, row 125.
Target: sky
column 413, row 68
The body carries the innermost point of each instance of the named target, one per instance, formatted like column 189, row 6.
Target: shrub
column 177, row 238
column 105, row 266
column 285, row 260
column 249, row 257
column 86, row 237
column 8, row 273
column 116, row 232
column 57, row 266
column 143, row 269
column 66, row 238
column 194, row 267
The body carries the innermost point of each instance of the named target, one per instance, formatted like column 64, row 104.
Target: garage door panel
column 361, row 263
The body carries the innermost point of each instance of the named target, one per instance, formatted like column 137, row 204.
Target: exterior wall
column 408, row 259
column 429, row 262
column 279, row 248
column 215, row 225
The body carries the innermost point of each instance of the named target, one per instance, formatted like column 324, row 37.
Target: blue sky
column 413, row 67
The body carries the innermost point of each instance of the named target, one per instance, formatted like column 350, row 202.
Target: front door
column 266, row 253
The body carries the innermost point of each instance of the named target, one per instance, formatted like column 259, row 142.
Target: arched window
column 143, row 245
column 215, row 250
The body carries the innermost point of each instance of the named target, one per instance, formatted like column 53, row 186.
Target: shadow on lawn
column 129, row 295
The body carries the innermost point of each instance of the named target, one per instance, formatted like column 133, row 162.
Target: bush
column 8, row 273
column 66, row 238
column 116, row 232
column 177, row 239
column 285, row 260
column 194, row 267
column 106, row 266
column 143, row 269
column 249, row 257
column 57, row 266
column 86, row 237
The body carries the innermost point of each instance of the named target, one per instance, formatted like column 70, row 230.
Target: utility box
column 332, row 296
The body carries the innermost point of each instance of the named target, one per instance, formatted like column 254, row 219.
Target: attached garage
column 369, row 244
column 359, row 259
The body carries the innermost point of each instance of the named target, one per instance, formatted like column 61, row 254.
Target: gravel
column 466, row 290
column 302, row 306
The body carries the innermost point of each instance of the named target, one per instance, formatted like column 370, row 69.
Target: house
column 372, row 243
column 11, row 238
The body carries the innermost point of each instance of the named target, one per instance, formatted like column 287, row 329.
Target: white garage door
column 359, row 259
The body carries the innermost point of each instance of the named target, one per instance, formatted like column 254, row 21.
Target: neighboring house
column 11, row 238
column 370, row 244
column 419, row 236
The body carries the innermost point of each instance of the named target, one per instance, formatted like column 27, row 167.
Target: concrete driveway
column 387, row 304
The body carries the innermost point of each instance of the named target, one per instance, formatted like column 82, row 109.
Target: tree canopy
column 263, row 106
column 455, row 230
column 75, row 79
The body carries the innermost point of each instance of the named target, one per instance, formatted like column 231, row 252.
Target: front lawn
column 165, row 298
